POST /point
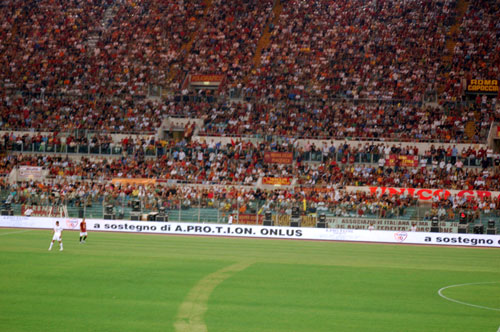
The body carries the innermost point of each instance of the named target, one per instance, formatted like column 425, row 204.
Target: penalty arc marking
column 440, row 292
column 192, row 310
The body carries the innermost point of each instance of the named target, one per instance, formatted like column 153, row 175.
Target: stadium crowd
column 64, row 114
column 228, row 41
column 143, row 43
column 44, row 43
column 351, row 48
column 50, row 48
column 328, row 120
column 355, row 49
column 66, row 82
column 149, row 145
column 340, row 119
column 336, row 70
column 244, row 163
column 242, row 200
column 475, row 54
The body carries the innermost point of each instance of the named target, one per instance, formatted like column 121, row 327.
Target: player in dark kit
column 83, row 231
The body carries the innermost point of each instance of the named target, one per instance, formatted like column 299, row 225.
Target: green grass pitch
column 140, row 282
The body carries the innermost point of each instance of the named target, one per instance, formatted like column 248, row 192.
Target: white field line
column 1, row 234
column 440, row 292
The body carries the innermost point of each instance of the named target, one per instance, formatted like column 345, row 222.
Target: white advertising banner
column 31, row 172
column 390, row 224
column 326, row 234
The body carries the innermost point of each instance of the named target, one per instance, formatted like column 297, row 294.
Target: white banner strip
column 328, row 234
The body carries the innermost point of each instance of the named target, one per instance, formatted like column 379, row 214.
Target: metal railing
column 212, row 210
column 158, row 151
column 95, row 149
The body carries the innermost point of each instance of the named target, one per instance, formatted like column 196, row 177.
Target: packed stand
column 228, row 39
column 65, row 83
column 317, row 42
column 60, row 114
column 354, row 49
column 334, row 166
column 340, row 119
column 320, row 120
column 193, row 165
column 227, row 199
column 48, row 46
column 44, row 43
column 143, row 43
column 245, row 200
column 476, row 54
column 449, row 208
column 445, row 175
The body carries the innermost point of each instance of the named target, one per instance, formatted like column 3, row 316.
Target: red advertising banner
column 276, row 181
column 250, row 219
column 207, row 78
column 426, row 194
column 278, row 157
column 405, row 161
column 42, row 211
column 136, row 181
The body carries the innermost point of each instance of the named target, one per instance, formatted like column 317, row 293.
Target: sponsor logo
column 400, row 236
column 43, row 211
column 207, row 78
column 71, row 223
column 426, row 194
column 478, row 86
column 408, row 161
column 276, row 181
column 278, row 157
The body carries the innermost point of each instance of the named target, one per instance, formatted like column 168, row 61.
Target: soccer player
column 83, row 231
column 57, row 236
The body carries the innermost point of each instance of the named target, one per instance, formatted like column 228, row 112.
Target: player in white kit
column 57, row 236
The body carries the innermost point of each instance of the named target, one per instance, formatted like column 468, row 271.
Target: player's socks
column 80, row 239
column 61, row 247
column 50, row 247
column 84, row 238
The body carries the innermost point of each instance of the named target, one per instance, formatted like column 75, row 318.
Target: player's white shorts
column 56, row 237
column 83, row 233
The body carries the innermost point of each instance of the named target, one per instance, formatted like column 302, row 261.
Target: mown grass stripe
column 192, row 310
